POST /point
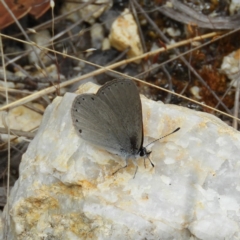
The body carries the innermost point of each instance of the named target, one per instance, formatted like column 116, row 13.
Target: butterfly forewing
column 123, row 98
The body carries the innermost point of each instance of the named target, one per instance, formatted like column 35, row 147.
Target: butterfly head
column 143, row 152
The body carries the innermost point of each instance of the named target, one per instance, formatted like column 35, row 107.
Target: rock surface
column 66, row 189
column 124, row 34
column 90, row 12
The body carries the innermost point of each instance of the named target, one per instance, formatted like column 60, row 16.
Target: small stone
column 89, row 13
column 230, row 66
column 41, row 38
column 124, row 34
column 97, row 35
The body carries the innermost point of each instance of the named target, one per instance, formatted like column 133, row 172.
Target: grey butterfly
column 112, row 118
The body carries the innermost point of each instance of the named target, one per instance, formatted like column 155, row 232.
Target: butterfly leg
column 150, row 161
column 122, row 167
column 134, row 162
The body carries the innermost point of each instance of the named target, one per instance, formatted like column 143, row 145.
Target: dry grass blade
column 110, row 68
column 17, row 133
column 101, row 69
column 8, row 141
column 183, row 13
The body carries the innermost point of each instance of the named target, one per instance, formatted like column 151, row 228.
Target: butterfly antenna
column 161, row 138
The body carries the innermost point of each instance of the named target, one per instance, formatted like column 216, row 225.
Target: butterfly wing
column 123, row 98
column 112, row 118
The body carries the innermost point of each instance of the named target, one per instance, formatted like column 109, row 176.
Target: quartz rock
column 90, row 12
column 124, row 34
column 234, row 6
column 41, row 38
column 66, row 189
column 230, row 66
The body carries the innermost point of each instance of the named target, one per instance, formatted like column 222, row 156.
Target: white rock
column 8, row 75
column 230, row 66
column 52, row 72
column 106, row 44
column 41, row 38
column 124, row 34
column 234, row 6
column 89, row 13
column 173, row 32
column 97, row 35
column 21, row 118
column 195, row 90
column 66, row 189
